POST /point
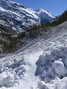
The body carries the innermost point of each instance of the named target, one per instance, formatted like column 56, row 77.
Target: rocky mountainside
column 16, row 22
column 16, row 16
column 15, row 19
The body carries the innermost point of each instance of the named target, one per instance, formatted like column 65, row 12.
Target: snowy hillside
column 41, row 65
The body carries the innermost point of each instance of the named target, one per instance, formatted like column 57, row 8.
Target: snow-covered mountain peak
column 44, row 15
column 16, row 16
column 45, row 12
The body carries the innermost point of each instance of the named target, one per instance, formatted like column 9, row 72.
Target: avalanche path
column 17, row 71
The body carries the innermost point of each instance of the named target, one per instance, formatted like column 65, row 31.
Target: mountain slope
column 19, row 69
column 44, row 15
column 15, row 20
column 18, row 23
column 42, row 63
column 16, row 16
column 58, row 20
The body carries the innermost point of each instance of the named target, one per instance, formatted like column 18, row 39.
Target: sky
column 55, row 7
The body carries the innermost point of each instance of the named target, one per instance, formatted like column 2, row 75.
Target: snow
column 41, row 65
column 28, row 80
column 2, row 9
column 31, row 12
column 46, row 12
column 21, row 17
column 59, row 67
column 44, row 16
column 18, row 70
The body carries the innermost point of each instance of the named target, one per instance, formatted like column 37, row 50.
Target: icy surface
column 52, row 65
column 42, row 65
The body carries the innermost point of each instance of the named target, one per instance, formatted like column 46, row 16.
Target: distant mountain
column 44, row 16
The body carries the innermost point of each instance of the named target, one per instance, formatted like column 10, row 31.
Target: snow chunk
column 7, row 79
column 59, row 68
column 52, row 65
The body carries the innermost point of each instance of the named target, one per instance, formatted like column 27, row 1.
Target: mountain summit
column 44, row 16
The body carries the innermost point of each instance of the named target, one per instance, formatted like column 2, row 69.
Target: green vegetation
column 58, row 20
column 34, row 31
column 9, row 40
column 31, row 32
